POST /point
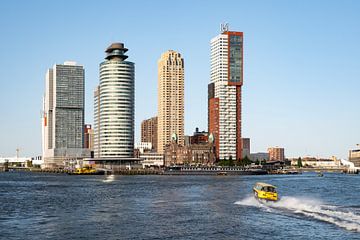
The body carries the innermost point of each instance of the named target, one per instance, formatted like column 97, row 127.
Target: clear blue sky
column 301, row 79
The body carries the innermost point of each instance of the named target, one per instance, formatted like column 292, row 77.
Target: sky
column 301, row 65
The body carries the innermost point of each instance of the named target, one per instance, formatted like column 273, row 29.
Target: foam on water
column 311, row 208
column 109, row 178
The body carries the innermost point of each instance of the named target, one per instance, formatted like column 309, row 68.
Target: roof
column 265, row 184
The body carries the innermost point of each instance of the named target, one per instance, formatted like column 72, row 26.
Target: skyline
column 299, row 76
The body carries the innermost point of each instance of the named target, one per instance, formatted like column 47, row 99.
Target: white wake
column 109, row 178
column 311, row 208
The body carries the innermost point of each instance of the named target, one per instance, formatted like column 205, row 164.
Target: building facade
column 201, row 153
column 245, row 144
column 88, row 137
column 276, row 153
column 170, row 98
column 114, row 102
column 224, row 93
column 97, row 122
column 354, row 157
column 63, row 115
column 149, row 131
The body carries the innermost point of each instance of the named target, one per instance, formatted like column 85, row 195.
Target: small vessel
column 320, row 174
column 221, row 173
column 87, row 170
column 265, row 192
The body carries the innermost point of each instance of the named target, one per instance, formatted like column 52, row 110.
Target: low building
column 259, row 156
column 317, row 162
column 193, row 154
column 143, row 147
column 16, row 161
column 354, row 157
column 152, row 159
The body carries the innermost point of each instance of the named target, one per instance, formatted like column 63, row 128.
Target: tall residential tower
column 63, row 118
column 224, row 93
column 170, row 98
column 114, row 103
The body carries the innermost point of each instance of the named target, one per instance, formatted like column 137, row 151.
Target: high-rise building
column 97, row 122
column 114, row 102
column 224, row 93
column 276, row 153
column 170, row 98
column 149, row 131
column 63, row 119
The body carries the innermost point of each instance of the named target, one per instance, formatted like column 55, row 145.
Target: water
column 50, row 206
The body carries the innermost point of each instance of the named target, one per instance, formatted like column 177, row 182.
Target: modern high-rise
column 224, row 93
column 149, row 132
column 170, row 98
column 63, row 115
column 114, row 106
column 97, row 122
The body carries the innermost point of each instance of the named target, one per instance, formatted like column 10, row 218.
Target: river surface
column 51, row 206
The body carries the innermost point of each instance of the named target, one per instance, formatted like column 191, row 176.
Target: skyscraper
column 63, row 119
column 170, row 98
column 114, row 103
column 149, row 131
column 97, row 122
column 224, row 93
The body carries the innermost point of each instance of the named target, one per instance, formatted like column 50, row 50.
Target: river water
column 51, row 206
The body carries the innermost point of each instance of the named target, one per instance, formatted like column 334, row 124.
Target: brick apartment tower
column 170, row 98
column 149, row 131
column 224, row 93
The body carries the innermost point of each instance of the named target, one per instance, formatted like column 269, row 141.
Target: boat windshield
column 269, row 189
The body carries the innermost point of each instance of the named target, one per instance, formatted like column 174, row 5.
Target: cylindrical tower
column 117, row 103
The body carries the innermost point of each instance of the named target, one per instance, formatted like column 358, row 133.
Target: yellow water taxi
column 87, row 170
column 265, row 191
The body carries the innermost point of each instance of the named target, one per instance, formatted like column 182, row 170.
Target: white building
column 114, row 102
column 151, row 159
column 317, row 162
column 225, row 93
column 63, row 115
column 143, row 146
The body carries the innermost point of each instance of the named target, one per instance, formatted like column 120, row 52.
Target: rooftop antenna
column 224, row 27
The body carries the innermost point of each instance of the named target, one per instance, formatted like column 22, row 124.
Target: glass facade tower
column 115, row 103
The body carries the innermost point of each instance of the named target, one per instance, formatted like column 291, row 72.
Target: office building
column 149, row 132
column 224, row 93
column 170, row 98
column 63, row 115
column 114, row 102
column 97, row 122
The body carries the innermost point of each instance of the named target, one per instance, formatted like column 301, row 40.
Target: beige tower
column 170, row 98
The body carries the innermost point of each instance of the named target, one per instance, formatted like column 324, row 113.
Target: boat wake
column 311, row 208
column 109, row 178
